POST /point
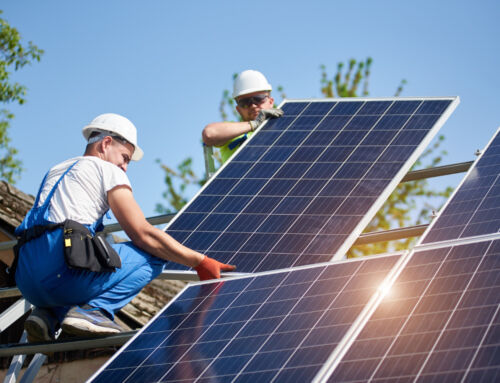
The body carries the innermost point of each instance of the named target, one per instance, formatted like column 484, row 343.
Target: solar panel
column 439, row 323
column 305, row 185
column 474, row 208
column 279, row 326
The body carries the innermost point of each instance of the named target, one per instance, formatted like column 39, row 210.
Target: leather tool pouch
column 86, row 252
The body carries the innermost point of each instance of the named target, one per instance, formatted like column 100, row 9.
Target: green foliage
column 10, row 166
column 346, row 84
column 227, row 105
column 13, row 56
column 409, row 204
column 182, row 178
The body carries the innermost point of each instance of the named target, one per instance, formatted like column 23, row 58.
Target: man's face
column 250, row 112
column 118, row 153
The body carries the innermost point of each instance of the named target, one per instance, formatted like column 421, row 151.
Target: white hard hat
column 114, row 123
column 250, row 81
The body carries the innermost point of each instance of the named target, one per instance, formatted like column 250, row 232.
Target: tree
column 13, row 56
column 181, row 178
column 398, row 210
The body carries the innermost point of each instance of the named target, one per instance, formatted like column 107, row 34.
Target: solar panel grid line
column 331, row 177
column 368, row 274
column 171, row 302
column 357, row 322
column 282, row 320
column 142, row 330
column 368, row 215
column 209, row 181
column 238, row 182
column 234, row 186
column 396, row 180
column 337, row 355
column 298, row 346
column 431, row 233
column 222, row 350
column 449, row 318
column 458, row 285
column 486, row 333
column 203, row 333
column 240, row 249
column 128, row 342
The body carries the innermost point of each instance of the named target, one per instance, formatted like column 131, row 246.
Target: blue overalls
column 46, row 281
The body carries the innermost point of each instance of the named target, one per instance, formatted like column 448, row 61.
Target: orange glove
column 209, row 268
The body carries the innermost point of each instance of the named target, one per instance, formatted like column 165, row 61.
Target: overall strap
column 40, row 189
column 51, row 193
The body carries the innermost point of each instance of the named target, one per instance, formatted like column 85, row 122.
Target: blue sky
column 164, row 65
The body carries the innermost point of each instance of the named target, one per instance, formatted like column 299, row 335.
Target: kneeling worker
column 254, row 103
column 78, row 280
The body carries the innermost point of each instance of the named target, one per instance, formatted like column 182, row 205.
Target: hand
column 264, row 115
column 209, row 268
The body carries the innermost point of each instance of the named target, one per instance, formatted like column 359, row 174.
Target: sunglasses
column 247, row 101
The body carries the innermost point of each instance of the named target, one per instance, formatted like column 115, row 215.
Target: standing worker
column 74, row 277
column 252, row 93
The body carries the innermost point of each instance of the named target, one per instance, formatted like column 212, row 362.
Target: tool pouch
column 86, row 252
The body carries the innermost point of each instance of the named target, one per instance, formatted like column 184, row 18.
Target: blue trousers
column 46, row 281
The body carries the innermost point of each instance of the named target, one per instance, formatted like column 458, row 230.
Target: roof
column 14, row 204
column 152, row 299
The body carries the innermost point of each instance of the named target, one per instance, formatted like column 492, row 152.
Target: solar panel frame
column 451, row 200
column 349, row 240
column 357, row 264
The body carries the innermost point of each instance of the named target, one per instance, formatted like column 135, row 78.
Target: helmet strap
column 97, row 138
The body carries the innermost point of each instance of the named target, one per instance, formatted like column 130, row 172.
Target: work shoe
column 40, row 325
column 88, row 321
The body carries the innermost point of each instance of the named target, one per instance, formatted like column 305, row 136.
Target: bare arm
column 144, row 235
column 218, row 133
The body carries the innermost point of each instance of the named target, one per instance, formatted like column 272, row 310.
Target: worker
column 252, row 93
column 76, row 289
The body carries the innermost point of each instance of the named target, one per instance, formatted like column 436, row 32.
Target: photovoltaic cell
column 305, row 185
column 474, row 209
column 439, row 323
column 274, row 327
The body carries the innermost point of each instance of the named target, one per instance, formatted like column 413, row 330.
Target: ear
column 105, row 143
column 238, row 109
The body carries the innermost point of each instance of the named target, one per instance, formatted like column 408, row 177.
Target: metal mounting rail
column 65, row 345
column 390, row 235
column 9, row 292
column 156, row 220
column 437, row 171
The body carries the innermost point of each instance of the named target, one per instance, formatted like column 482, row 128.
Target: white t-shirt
column 82, row 193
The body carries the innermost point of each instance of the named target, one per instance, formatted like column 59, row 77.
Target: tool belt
column 81, row 250
column 86, row 252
